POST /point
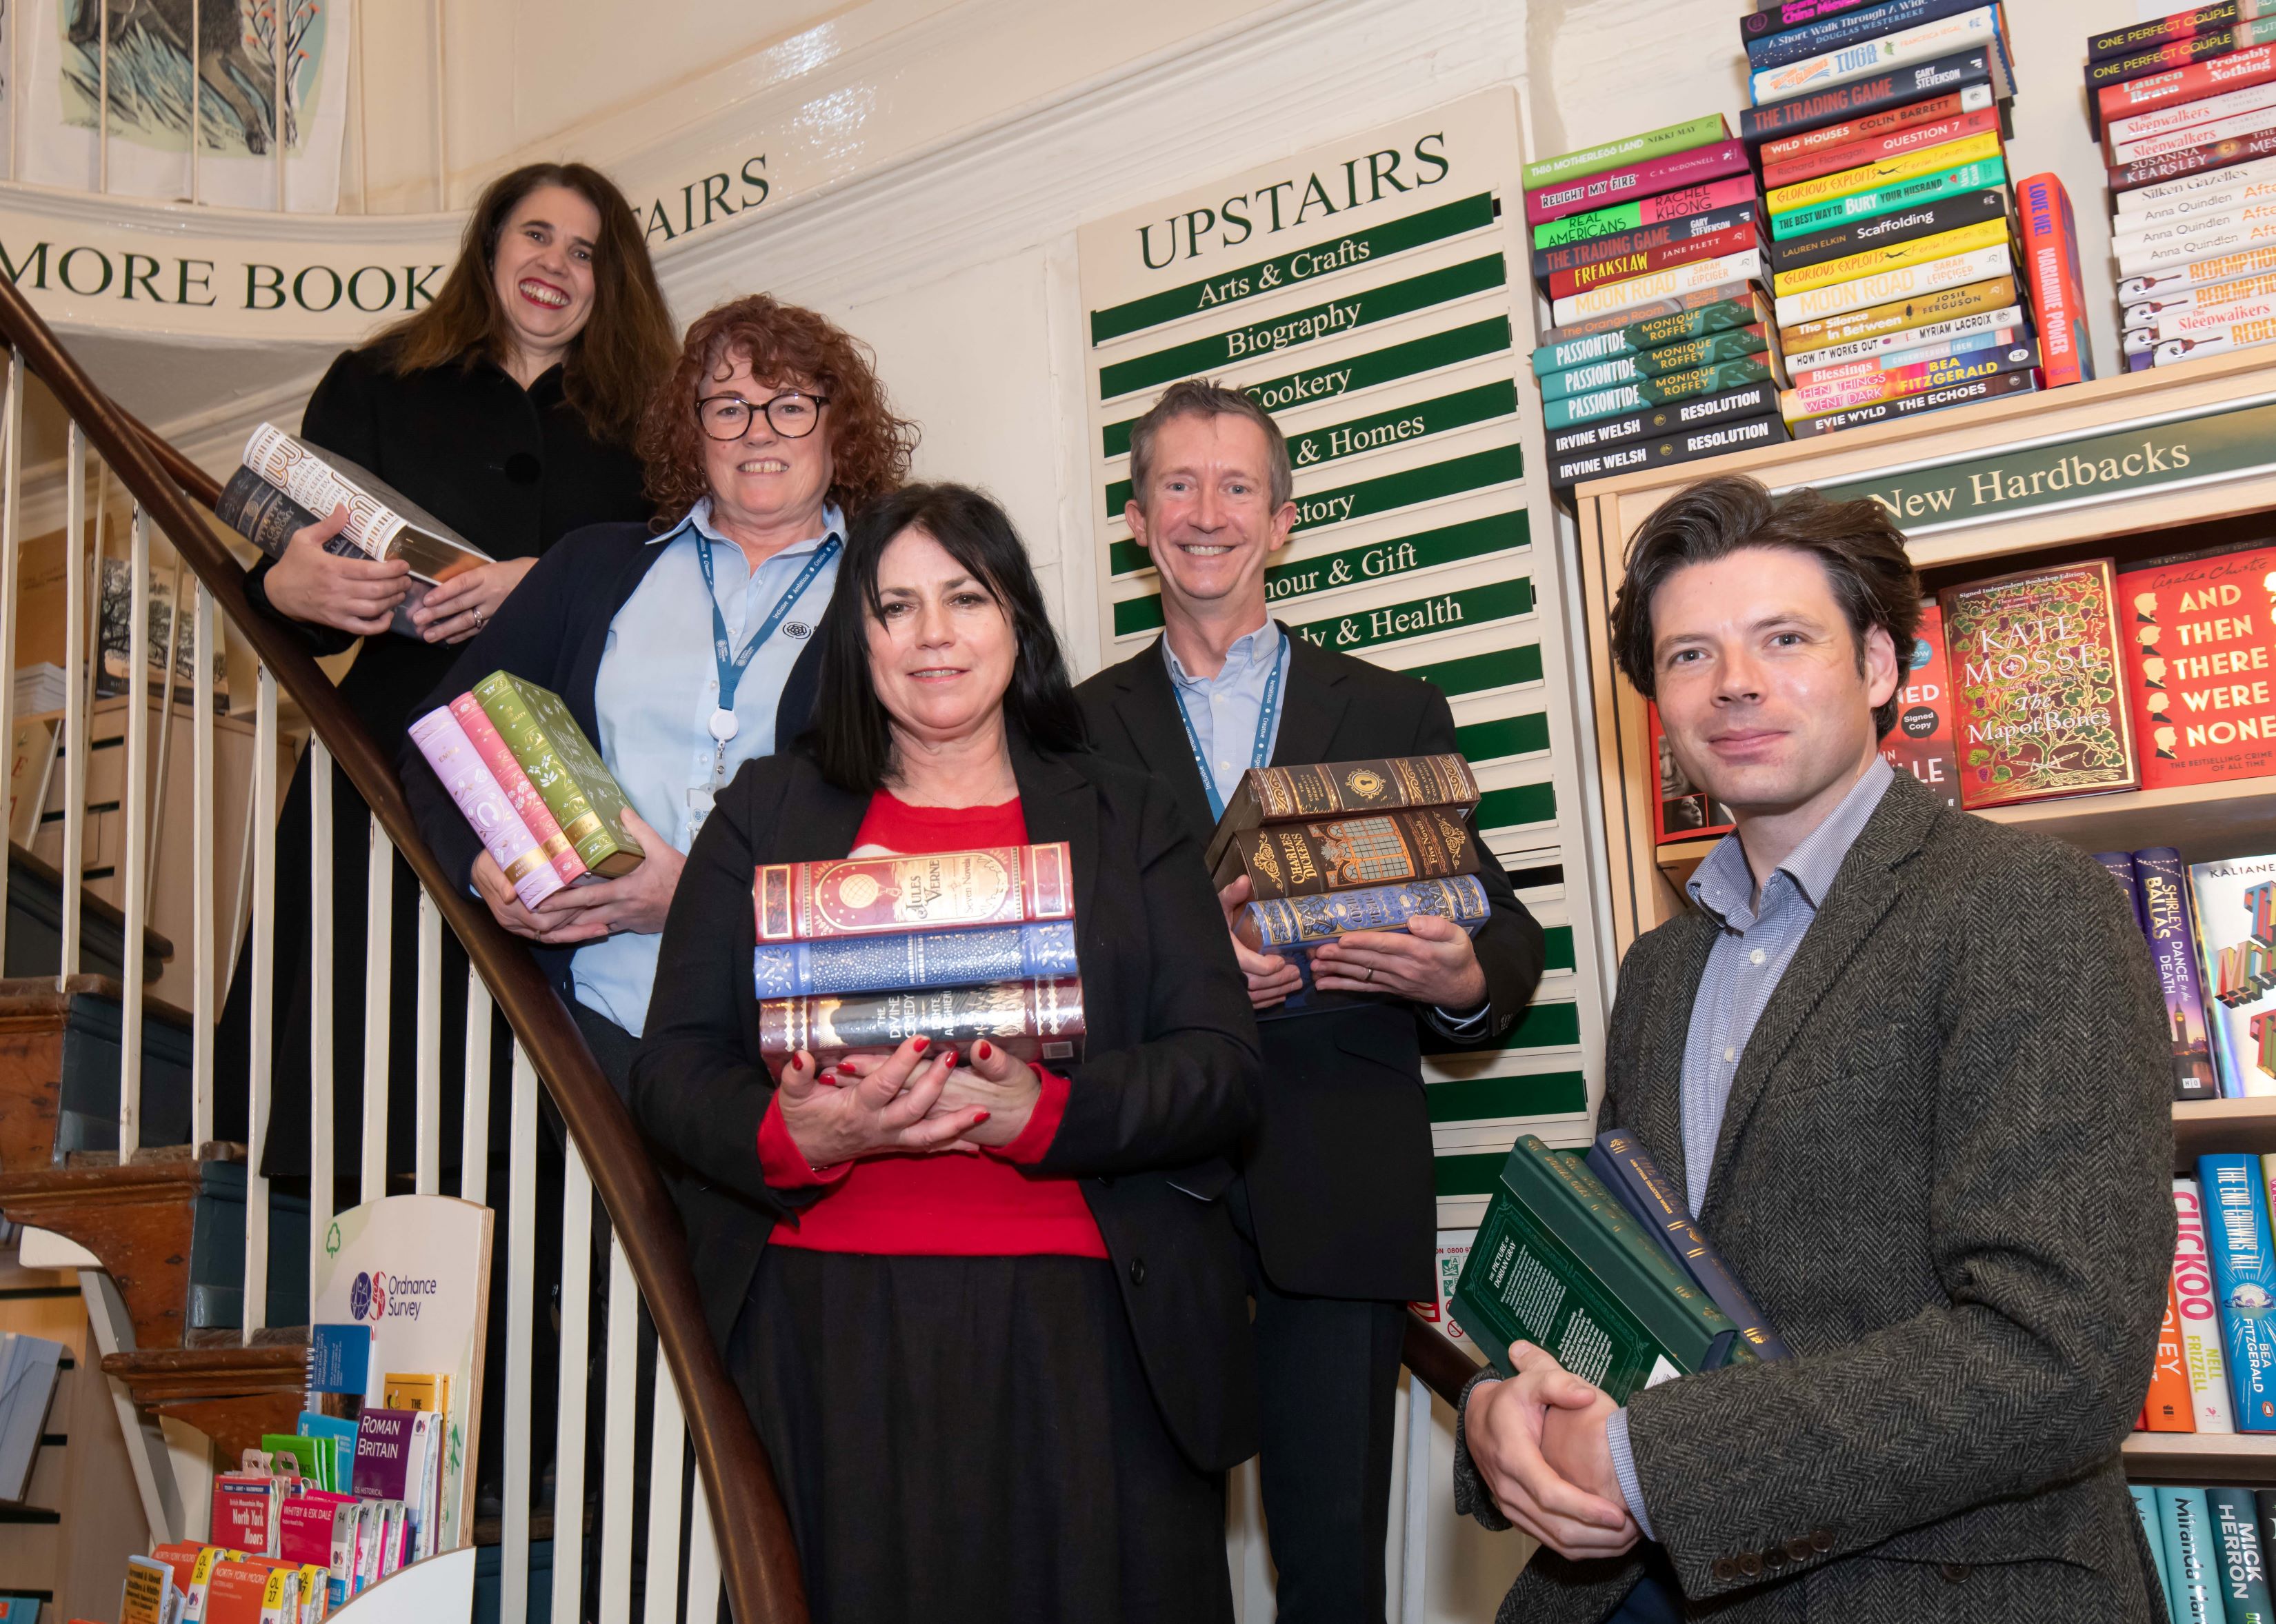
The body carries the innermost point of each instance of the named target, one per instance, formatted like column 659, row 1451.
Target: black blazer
column 552, row 630
column 1339, row 1170
column 1166, row 1087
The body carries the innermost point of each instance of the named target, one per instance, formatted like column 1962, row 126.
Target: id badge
column 699, row 808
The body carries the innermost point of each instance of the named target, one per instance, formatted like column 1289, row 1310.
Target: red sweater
column 950, row 1204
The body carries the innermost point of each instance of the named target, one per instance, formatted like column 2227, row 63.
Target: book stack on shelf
column 2186, row 109
column 857, row 954
column 1649, row 250
column 2209, row 1546
column 1879, row 133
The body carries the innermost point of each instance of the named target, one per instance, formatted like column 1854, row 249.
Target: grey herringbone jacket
column 1943, row 1175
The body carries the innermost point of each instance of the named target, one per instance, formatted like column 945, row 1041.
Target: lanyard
column 732, row 667
column 1267, row 716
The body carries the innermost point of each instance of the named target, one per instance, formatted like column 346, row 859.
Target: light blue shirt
column 657, row 688
column 1758, row 940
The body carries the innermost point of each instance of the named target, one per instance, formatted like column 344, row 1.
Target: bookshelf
column 2217, row 405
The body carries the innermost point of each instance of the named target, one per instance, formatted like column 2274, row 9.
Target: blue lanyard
column 732, row 667
column 1268, row 717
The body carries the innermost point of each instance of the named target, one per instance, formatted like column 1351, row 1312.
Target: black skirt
column 973, row 1439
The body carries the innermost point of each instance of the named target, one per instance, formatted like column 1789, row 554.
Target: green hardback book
column 566, row 772
column 1557, row 1263
column 1640, row 394
column 1708, row 350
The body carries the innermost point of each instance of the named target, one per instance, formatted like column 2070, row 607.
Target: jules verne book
column 1032, row 1020
column 2035, row 665
column 1626, row 1169
column 2201, row 638
column 2234, row 903
column 1344, row 854
column 1290, row 924
column 1294, row 794
column 520, row 793
column 2162, row 888
column 578, row 790
column 936, row 890
column 470, row 784
column 920, row 958
column 2244, row 1276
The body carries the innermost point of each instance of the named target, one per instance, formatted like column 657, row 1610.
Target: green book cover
column 1710, row 349
column 1628, row 149
column 1980, row 175
column 1650, row 334
column 1621, row 1224
column 1644, row 393
column 564, row 769
column 306, row 1451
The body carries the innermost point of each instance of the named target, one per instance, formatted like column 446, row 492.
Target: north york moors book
column 1345, row 854
column 1295, row 793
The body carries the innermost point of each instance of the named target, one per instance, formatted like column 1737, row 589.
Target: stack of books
column 2216, row 1362
column 858, row 954
column 2209, row 1546
column 1649, row 252
column 1592, row 1258
column 1338, row 846
column 530, row 784
column 2186, row 109
column 1878, row 131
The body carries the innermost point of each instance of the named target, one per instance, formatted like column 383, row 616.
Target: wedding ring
column 1370, row 974
column 481, row 619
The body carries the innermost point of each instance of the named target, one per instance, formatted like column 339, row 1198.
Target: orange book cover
column 1682, row 810
column 2200, row 635
column 1921, row 742
column 2171, row 1407
column 234, row 1593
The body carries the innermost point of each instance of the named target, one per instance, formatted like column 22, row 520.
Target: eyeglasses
column 791, row 415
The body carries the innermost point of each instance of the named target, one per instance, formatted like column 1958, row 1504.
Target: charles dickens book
column 1683, row 811
column 2235, row 904
column 2161, row 890
column 1920, row 743
column 1557, row 1263
column 895, row 895
column 265, row 516
column 579, row 791
column 1294, row 794
column 1291, row 924
column 1343, row 854
column 2036, row 666
column 1036, row 1020
column 382, row 520
column 2201, row 631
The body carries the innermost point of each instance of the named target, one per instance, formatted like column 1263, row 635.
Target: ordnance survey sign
column 1362, row 294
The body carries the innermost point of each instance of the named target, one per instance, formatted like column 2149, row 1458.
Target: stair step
column 230, row 1392
column 59, row 1059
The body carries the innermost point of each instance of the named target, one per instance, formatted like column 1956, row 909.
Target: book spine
column 1652, row 333
column 2169, row 1405
column 893, row 895
column 2153, row 1529
column 520, row 793
column 2242, row 183
column 2171, row 933
column 1615, row 1219
column 1686, row 445
column 1656, row 392
column 2217, row 340
column 2180, row 117
column 1629, row 149
column 2187, row 229
column 1294, row 794
column 1374, row 848
column 1911, row 253
column 2234, row 152
column 1900, row 282
column 1034, row 1020
column 1642, row 239
column 2178, row 54
column 1870, row 230
column 1857, row 28
column 581, row 763
column 2239, row 1566
column 1958, row 74
column 1826, row 160
column 2206, row 272
column 1740, row 344
column 318, row 488
column 2202, row 1335
column 1288, row 924
column 1674, row 307
column 1680, row 204
column 1683, row 251
column 2191, row 1595
column 2003, row 326
column 2119, row 867
column 2195, row 83
column 1691, row 168
column 1927, row 41
column 2236, row 1203
column 469, row 783
column 1840, row 213
column 265, row 516
column 2186, row 242
column 1638, row 291
column 2142, row 36
column 510, row 713
column 1898, row 382
column 2050, row 234
column 1899, row 315
column 1997, row 386
column 2238, row 126
column 1732, row 406
column 1904, row 166
column 1648, row 1192
column 1955, row 350
column 1827, row 144
column 2195, row 310
column 921, row 960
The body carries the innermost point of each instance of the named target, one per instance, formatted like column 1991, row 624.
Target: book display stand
column 2131, row 469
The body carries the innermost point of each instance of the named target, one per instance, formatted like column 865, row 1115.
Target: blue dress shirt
column 657, row 688
column 1758, row 940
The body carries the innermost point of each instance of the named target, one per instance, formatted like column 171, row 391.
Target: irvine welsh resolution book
column 1304, row 859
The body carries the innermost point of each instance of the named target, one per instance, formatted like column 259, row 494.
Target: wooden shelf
column 2236, row 1126
column 2189, row 1459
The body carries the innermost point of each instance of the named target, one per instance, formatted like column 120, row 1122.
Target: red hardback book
column 1829, row 160
column 934, row 891
column 1682, row 811
column 2192, row 83
column 1866, row 126
column 2200, row 646
column 1715, row 246
column 2171, row 1407
column 1920, row 743
column 2049, row 237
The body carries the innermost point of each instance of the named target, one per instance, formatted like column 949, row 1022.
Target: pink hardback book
column 470, row 783
column 520, row 793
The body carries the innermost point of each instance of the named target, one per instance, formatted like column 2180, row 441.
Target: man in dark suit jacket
column 1335, row 1205
column 1908, row 1067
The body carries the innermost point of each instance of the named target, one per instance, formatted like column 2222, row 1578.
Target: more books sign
column 1362, row 294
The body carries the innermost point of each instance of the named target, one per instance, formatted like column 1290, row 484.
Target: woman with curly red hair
column 686, row 647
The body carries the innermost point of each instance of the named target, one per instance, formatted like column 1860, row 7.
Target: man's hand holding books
column 1538, row 1440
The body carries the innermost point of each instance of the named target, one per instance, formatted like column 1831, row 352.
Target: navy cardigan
column 552, row 630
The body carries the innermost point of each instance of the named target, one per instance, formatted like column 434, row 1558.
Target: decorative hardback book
column 2035, row 661
column 578, row 789
column 918, row 960
column 2162, row 889
column 382, row 520
column 520, row 793
column 1290, row 924
column 1627, row 1169
column 265, row 516
column 931, row 891
column 1296, row 794
column 1036, row 1020
column 2232, row 902
column 1921, row 742
column 466, row 778
column 2201, row 635
column 1344, row 854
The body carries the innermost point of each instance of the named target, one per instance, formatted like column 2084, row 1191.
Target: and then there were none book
column 2201, row 635
column 2037, row 669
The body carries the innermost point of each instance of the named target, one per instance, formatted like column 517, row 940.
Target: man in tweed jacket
column 1908, row 1067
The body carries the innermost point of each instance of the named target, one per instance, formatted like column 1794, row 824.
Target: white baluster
column 619, row 1461
column 134, row 887
column 521, row 1270
column 378, row 977
column 75, row 698
column 12, row 492
column 427, row 1154
column 474, row 1134
column 667, row 1441
column 576, row 1350
column 1415, row 1543
column 263, row 1002
column 323, row 884
column 702, row 1560
column 207, row 950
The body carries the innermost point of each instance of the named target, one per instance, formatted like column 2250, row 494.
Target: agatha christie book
column 2200, row 633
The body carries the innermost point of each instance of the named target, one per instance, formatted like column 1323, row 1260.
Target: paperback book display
column 2186, row 109
column 1650, row 253
column 1920, row 743
column 1877, row 134
column 2210, row 1549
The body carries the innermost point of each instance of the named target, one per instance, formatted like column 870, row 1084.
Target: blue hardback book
column 2153, row 1529
column 1624, row 1167
column 339, row 1359
column 2240, row 1575
column 2121, row 868
column 19, row 1610
column 1772, row 50
column 2244, row 1276
column 2189, row 1596
column 1290, row 924
column 920, row 958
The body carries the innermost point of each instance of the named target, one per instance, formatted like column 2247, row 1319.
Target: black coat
column 1339, row 1169
column 553, row 631
column 1167, row 1086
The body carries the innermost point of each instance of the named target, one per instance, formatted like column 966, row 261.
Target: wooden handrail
column 1444, row 1368
column 757, row 1556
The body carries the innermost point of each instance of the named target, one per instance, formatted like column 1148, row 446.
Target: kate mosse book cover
column 1036, row 1020
column 920, row 960
column 2201, row 640
column 2036, row 664
column 895, row 894
column 1344, row 853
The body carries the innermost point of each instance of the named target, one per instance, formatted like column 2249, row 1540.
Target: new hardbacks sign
column 1362, row 294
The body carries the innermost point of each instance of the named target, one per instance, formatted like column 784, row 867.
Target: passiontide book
column 2235, row 902
column 2036, row 667
column 2201, row 631
column 1920, row 743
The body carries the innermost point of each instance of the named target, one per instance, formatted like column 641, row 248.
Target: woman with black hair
column 988, row 1316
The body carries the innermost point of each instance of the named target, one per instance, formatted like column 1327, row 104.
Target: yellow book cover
column 431, row 1394
column 1944, row 305
column 1892, row 256
column 1865, row 176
